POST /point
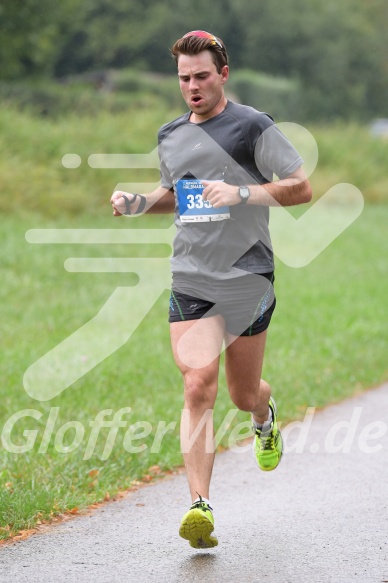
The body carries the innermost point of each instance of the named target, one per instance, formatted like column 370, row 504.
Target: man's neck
column 219, row 108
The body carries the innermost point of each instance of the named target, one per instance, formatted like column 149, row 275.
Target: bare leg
column 250, row 393
column 192, row 342
column 243, row 365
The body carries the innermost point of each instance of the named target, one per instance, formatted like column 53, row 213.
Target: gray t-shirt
column 240, row 146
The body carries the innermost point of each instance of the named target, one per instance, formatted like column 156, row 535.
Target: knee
column 247, row 398
column 245, row 402
column 200, row 390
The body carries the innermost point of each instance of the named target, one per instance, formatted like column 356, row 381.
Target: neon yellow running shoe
column 197, row 526
column 268, row 445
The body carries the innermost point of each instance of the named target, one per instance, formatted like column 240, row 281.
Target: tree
column 334, row 49
column 31, row 35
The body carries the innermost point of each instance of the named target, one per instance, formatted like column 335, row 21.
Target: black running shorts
column 246, row 303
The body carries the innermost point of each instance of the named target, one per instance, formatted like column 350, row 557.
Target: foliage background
column 333, row 54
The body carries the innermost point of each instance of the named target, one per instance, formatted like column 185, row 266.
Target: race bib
column 192, row 207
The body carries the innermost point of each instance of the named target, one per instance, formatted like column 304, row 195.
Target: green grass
column 327, row 339
column 348, row 153
column 32, row 178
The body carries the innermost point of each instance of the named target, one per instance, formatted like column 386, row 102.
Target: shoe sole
column 197, row 529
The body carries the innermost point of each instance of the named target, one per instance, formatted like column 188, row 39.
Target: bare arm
column 293, row 190
column 159, row 201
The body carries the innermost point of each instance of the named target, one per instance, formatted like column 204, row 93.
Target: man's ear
column 224, row 73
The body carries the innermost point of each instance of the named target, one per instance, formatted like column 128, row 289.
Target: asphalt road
column 321, row 516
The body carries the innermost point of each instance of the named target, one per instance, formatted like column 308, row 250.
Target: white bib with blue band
column 192, row 207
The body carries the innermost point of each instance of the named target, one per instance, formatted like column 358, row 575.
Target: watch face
column 244, row 193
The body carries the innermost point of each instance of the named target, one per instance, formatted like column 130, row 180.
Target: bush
column 155, row 84
column 118, row 90
column 275, row 95
column 81, row 97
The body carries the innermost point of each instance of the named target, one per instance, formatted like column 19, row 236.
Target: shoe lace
column 266, row 441
column 200, row 504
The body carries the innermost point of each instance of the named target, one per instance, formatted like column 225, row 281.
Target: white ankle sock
column 266, row 425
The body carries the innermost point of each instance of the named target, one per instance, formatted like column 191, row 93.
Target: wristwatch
column 244, row 193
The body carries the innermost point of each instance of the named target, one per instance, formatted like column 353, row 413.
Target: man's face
column 201, row 85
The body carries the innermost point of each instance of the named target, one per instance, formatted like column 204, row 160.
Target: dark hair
column 193, row 45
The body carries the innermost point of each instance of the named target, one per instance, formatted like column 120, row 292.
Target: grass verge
column 327, row 341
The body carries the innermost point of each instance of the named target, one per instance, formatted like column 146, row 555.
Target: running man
column 218, row 163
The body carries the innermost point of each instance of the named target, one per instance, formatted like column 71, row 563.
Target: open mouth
column 196, row 99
